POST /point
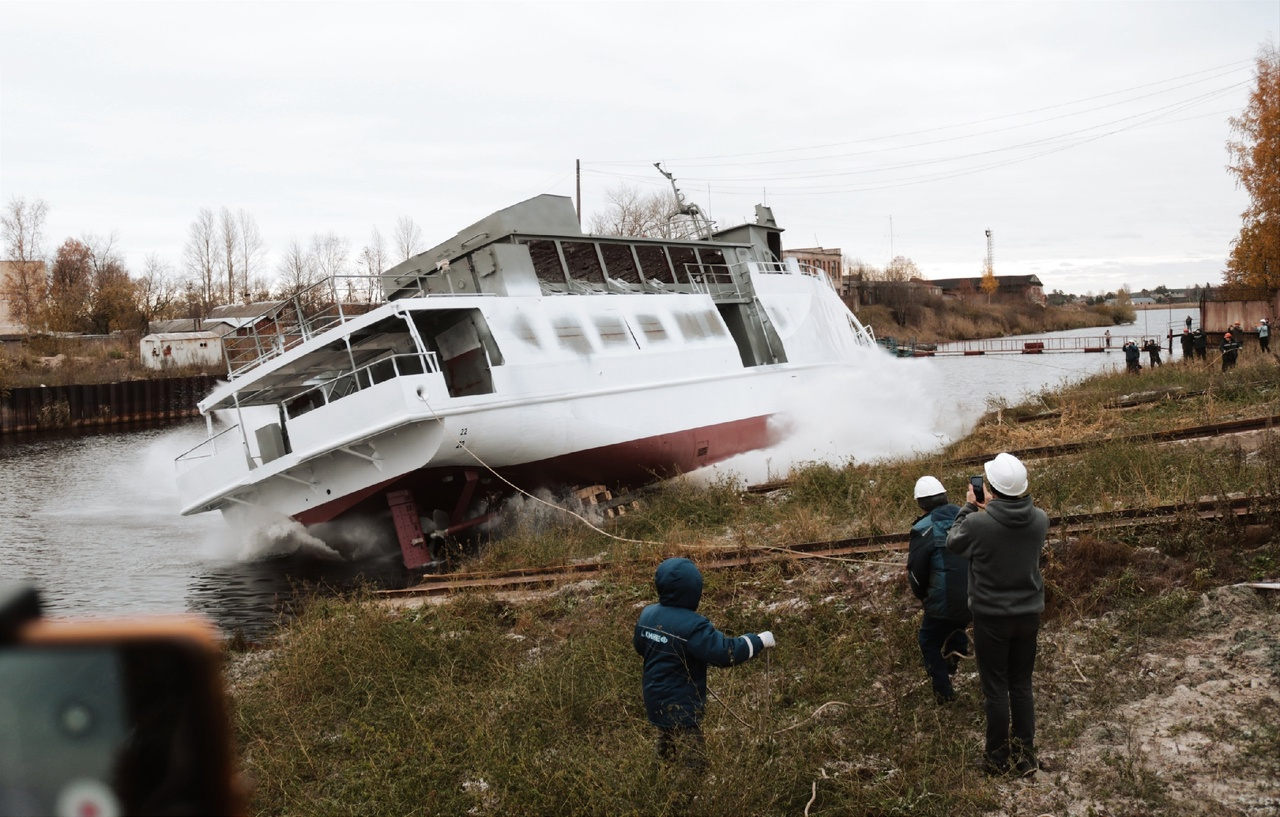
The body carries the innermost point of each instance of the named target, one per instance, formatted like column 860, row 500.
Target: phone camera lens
column 76, row 719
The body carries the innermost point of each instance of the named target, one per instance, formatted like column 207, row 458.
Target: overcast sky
column 1089, row 137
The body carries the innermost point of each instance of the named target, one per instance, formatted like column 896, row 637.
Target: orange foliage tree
column 1254, row 262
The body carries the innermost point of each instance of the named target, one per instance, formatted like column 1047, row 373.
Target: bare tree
column 371, row 262
column 297, row 269
column 898, row 293
column 27, row 285
column 229, row 251
column 251, row 251
column 157, row 293
column 631, row 212
column 330, row 252
column 201, row 257
column 23, row 226
column 407, row 241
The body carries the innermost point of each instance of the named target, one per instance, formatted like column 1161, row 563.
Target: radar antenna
column 701, row 224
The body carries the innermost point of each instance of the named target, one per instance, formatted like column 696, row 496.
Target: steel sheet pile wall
column 49, row 408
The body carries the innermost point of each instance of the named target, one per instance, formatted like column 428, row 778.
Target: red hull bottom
column 636, row 462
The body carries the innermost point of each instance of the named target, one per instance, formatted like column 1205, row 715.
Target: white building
column 172, row 350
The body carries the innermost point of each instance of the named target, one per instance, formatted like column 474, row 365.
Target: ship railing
column 720, row 281
column 363, row 377
column 791, row 266
column 305, row 314
column 206, row 450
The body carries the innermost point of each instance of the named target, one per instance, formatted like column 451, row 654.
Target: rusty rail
column 1241, row 508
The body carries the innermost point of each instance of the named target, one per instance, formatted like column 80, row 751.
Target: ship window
column 651, row 326
column 524, row 330
column 614, row 332
column 715, row 326
column 619, row 263
column 685, row 260
column 711, row 256
column 583, row 263
column 546, row 261
column 654, row 263
column 571, row 335
column 690, row 326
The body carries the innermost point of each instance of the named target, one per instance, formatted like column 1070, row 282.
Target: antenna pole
column 577, row 164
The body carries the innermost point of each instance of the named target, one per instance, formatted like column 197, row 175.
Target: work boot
column 995, row 767
column 1028, row 766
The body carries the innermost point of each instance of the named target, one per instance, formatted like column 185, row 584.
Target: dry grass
column 484, row 706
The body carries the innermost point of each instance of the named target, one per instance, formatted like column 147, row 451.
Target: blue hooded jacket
column 677, row 644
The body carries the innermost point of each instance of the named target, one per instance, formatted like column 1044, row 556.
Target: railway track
column 1044, row 451
column 1239, row 508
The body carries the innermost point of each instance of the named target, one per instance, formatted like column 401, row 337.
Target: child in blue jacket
column 677, row 644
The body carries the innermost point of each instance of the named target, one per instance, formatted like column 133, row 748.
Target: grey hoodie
column 1002, row 544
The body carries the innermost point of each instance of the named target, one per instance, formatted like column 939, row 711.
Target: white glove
column 766, row 638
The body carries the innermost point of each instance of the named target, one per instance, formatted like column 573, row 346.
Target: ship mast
column 702, row 224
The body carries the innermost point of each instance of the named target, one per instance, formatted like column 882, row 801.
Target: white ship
column 521, row 348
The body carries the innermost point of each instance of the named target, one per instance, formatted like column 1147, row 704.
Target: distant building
column 828, row 260
column 1012, row 288
column 9, row 324
column 173, row 350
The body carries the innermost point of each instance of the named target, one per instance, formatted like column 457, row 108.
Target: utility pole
column 577, row 166
column 991, row 261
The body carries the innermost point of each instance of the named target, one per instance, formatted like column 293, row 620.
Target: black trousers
column 683, row 746
column 939, row 636
column 1006, row 653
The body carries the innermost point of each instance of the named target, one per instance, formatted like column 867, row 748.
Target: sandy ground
column 1187, row 734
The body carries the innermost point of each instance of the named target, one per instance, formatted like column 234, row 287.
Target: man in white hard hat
column 1264, row 336
column 1002, row 538
column 940, row 579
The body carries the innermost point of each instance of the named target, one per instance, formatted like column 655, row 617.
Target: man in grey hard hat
column 940, row 579
column 1002, row 538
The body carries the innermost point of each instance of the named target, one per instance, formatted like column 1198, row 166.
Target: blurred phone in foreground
column 103, row 718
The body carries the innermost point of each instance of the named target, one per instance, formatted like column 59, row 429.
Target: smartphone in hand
column 978, row 494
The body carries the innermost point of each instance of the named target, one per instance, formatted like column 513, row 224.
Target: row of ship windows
column 589, row 261
column 616, row 332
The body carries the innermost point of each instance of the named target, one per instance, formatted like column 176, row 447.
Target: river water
column 93, row 520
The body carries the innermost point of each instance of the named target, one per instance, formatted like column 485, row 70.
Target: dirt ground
column 1194, row 730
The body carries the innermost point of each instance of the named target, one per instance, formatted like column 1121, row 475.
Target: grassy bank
column 938, row 320
column 488, row 705
column 53, row 361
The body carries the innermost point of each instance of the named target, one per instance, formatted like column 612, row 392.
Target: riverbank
column 1158, row 681
column 938, row 320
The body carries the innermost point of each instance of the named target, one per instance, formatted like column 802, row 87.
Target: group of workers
column 1195, row 344
column 973, row 565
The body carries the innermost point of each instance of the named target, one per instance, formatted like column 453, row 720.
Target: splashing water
column 877, row 411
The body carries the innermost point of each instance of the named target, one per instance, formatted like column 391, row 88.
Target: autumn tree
column 70, row 287
column 26, row 285
column 1254, row 262
column 112, row 299
column 989, row 285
